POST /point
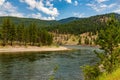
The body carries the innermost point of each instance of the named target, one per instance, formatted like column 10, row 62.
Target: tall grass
column 115, row 75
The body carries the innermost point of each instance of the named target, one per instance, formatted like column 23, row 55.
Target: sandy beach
column 32, row 49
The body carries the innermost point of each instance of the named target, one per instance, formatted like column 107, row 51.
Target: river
column 40, row 65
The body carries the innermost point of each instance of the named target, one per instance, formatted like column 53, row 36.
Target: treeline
column 28, row 21
column 67, row 26
column 83, row 25
column 20, row 34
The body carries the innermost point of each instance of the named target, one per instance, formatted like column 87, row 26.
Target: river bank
column 9, row 49
column 32, row 49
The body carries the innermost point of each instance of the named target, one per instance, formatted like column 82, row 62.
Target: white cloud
column 117, row 10
column 48, row 3
column 68, row 1
column 47, row 8
column 31, row 3
column 100, row 6
column 39, row 16
column 100, row 1
column 76, row 3
column 77, row 14
column 1, row 2
column 7, row 9
column 112, row 5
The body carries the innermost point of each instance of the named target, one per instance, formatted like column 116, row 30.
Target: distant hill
column 40, row 23
column 28, row 21
column 72, row 25
column 66, row 20
column 82, row 25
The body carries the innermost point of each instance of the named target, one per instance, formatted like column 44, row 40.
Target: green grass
column 115, row 75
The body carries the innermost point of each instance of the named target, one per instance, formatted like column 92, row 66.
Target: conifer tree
column 5, row 31
column 108, row 39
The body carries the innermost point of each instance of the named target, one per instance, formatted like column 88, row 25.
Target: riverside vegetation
column 108, row 66
column 13, row 34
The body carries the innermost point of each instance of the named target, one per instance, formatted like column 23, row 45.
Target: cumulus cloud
column 100, row 1
column 99, row 5
column 1, row 2
column 47, row 8
column 7, row 9
column 77, row 14
column 68, row 1
column 76, row 3
column 39, row 16
column 117, row 10
column 48, row 3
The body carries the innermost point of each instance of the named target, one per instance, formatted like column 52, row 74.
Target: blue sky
column 57, row 9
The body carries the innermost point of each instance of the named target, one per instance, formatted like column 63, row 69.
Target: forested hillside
column 67, row 20
column 82, row 25
column 28, row 21
column 21, row 34
column 66, row 31
column 70, row 25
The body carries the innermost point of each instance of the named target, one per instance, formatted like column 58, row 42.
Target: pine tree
column 80, row 41
column 5, row 30
column 20, row 33
column 49, row 39
column 34, row 34
column 26, row 36
column 86, row 41
column 12, row 34
column 108, row 39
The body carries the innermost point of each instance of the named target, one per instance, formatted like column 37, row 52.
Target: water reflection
column 40, row 65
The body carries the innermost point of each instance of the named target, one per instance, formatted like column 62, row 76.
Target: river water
column 41, row 65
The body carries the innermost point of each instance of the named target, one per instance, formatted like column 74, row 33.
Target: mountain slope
column 91, row 24
column 70, row 19
column 72, row 25
column 28, row 21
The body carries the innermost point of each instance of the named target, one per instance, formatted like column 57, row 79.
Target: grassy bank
column 115, row 75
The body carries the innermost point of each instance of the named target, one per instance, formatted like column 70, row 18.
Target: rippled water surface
column 41, row 65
